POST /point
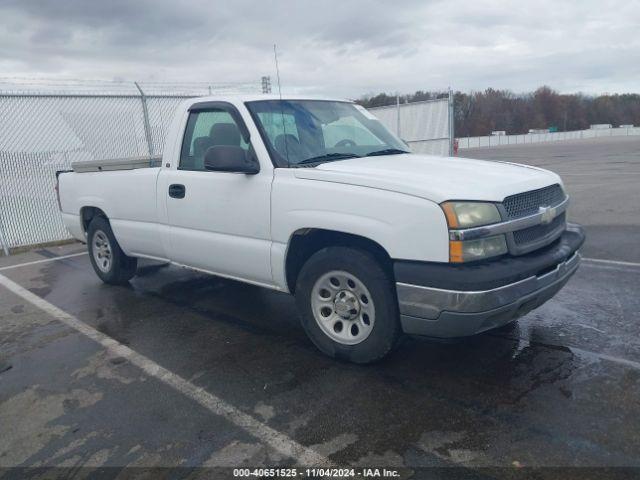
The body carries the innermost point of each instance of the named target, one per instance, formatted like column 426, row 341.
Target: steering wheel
column 346, row 143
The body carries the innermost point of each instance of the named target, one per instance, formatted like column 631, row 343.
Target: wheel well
column 306, row 242
column 87, row 214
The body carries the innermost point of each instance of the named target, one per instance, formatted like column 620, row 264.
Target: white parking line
column 598, row 174
column 273, row 438
column 35, row 262
column 604, row 356
column 611, row 262
column 575, row 350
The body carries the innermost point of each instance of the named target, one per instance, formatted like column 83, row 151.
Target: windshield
column 308, row 132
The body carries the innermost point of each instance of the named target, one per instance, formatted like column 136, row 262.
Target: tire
column 109, row 261
column 325, row 291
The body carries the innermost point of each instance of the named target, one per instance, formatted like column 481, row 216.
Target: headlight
column 461, row 215
column 470, row 214
column 471, row 250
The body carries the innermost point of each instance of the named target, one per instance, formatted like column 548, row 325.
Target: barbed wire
column 70, row 86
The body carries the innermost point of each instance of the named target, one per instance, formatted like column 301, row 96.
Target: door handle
column 177, row 191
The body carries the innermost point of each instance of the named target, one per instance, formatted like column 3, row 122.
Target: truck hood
column 434, row 178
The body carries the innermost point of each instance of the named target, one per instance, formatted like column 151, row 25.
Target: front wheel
column 348, row 305
column 109, row 261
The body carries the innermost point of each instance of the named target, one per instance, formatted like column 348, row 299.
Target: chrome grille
column 538, row 232
column 528, row 203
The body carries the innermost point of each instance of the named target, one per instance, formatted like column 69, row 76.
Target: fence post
column 398, row 115
column 3, row 240
column 452, row 136
column 145, row 113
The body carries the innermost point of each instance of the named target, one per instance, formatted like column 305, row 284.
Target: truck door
column 218, row 221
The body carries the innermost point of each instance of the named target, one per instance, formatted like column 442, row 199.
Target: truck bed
column 111, row 164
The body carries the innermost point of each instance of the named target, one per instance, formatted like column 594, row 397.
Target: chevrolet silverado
column 316, row 198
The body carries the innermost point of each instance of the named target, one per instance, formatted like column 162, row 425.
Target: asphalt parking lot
column 182, row 370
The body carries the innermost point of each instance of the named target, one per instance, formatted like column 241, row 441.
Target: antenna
column 284, row 128
column 275, row 55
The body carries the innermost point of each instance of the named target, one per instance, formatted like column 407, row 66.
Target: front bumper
column 464, row 300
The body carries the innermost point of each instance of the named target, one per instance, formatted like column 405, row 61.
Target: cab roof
column 241, row 98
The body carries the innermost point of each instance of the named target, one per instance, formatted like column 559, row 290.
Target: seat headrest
column 225, row 134
column 200, row 146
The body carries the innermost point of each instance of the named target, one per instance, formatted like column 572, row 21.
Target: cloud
column 346, row 47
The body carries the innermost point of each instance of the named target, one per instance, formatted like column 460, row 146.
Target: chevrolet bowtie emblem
column 548, row 214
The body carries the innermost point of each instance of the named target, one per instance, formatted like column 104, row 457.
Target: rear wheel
column 109, row 261
column 348, row 305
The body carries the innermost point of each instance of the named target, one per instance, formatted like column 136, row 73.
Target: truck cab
column 316, row 198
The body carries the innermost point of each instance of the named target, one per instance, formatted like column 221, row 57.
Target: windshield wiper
column 386, row 151
column 328, row 157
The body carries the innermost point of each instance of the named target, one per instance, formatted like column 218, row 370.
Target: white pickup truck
column 316, row 198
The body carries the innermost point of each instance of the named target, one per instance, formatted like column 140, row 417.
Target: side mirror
column 230, row 158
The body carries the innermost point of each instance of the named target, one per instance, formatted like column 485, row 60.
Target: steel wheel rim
column 101, row 249
column 343, row 307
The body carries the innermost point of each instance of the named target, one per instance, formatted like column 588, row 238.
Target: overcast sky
column 345, row 47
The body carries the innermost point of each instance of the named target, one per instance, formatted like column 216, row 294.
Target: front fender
column 406, row 226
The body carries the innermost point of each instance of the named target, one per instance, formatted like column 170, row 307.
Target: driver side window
column 206, row 129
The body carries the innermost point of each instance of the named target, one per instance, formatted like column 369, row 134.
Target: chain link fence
column 45, row 131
